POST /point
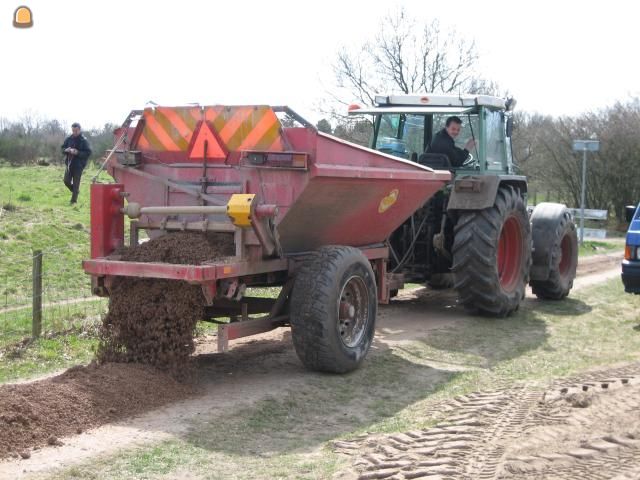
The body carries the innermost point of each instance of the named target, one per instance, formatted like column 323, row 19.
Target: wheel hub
column 353, row 314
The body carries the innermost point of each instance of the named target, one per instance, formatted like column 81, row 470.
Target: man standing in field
column 76, row 150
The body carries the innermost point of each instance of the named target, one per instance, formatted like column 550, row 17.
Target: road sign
column 589, row 214
column 586, row 145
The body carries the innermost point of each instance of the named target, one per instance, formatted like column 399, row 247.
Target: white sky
column 93, row 61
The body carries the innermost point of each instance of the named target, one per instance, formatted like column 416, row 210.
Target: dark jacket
column 81, row 144
column 443, row 143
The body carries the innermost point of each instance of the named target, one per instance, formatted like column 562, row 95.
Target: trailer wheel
column 555, row 251
column 492, row 255
column 333, row 309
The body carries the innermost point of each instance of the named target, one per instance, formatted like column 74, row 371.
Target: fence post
column 36, row 324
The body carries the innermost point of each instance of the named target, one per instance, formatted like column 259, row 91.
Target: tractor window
column 389, row 138
column 414, row 133
column 469, row 129
column 401, row 134
column 495, row 141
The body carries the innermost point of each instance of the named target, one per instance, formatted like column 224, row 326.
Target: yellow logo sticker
column 389, row 200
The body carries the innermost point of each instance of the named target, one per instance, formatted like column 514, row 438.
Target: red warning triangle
column 204, row 135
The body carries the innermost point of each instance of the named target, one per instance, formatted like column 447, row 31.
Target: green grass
column 596, row 247
column 286, row 435
column 37, row 216
column 69, row 335
column 48, row 354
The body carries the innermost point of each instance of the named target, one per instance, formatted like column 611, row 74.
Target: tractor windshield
column 401, row 134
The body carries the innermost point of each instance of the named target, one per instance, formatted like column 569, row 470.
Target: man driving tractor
column 444, row 142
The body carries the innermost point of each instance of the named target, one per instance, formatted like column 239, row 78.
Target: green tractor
column 476, row 235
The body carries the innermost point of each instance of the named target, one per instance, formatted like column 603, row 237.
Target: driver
column 443, row 142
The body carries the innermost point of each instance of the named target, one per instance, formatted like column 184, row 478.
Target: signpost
column 584, row 146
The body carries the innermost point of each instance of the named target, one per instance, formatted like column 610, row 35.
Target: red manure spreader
column 307, row 212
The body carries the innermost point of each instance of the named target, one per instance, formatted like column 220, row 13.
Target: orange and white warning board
column 223, row 128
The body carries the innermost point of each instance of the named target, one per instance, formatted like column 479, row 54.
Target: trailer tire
column 555, row 251
column 492, row 255
column 333, row 309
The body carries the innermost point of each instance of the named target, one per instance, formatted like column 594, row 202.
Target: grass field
column 36, row 215
column 596, row 247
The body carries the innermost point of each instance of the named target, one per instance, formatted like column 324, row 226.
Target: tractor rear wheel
column 333, row 309
column 440, row 281
column 492, row 255
column 555, row 247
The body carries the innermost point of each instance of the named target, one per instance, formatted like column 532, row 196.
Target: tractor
column 475, row 234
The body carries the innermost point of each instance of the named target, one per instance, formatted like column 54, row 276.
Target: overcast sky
column 93, row 61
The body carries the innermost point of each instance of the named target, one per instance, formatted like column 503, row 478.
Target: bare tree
column 543, row 146
column 408, row 56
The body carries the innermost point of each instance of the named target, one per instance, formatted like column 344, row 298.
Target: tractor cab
column 404, row 126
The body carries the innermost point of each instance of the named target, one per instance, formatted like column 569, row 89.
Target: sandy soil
column 585, row 427
column 266, row 364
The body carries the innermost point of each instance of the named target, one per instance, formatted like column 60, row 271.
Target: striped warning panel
column 239, row 128
column 168, row 128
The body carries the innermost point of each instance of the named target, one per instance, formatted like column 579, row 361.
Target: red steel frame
column 103, row 271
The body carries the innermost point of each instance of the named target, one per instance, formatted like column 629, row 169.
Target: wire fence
column 45, row 293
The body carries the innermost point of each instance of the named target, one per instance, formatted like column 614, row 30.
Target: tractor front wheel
column 333, row 309
column 492, row 255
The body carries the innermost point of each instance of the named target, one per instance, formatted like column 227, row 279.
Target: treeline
column 543, row 148
column 543, row 152
column 31, row 140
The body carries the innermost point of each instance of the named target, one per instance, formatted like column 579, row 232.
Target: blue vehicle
column 631, row 262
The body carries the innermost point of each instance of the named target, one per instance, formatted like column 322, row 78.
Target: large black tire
column 333, row 309
column 555, row 251
column 440, row 281
column 492, row 255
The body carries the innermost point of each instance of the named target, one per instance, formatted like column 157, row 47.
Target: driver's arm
column 460, row 155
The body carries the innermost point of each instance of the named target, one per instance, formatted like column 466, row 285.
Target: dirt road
column 478, row 434
column 586, row 427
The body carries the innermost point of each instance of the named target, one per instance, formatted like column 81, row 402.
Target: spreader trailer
column 308, row 212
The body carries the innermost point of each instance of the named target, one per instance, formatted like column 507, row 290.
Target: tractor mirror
column 629, row 210
column 509, row 126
